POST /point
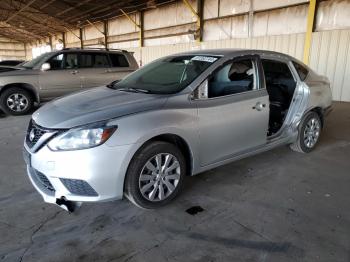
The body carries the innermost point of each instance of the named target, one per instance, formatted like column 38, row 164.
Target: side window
column 280, row 83
column 118, row 60
column 277, row 74
column 64, row 61
column 301, row 70
column 233, row 78
column 71, row 61
column 56, row 62
column 101, row 60
column 93, row 60
column 86, row 60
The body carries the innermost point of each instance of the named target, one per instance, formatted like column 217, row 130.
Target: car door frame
column 233, row 98
column 48, row 93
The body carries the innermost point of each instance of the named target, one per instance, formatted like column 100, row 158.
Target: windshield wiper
column 135, row 90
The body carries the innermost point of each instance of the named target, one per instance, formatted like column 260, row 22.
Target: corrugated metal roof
column 27, row 20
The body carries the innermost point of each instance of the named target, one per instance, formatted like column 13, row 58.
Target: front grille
column 42, row 181
column 34, row 133
column 78, row 187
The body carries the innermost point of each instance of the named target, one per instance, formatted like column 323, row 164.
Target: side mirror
column 45, row 67
column 202, row 91
column 111, row 84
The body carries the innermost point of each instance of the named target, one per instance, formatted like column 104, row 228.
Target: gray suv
column 58, row 73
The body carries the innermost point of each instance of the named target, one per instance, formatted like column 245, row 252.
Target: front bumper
column 89, row 175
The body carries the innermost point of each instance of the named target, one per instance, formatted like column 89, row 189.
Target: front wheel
column 309, row 133
column 155, row 175
column 16, row 101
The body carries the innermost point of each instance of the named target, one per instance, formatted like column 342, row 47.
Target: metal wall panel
column 232, row 7
column 263, row 5
column 122, row 25
column 333, row 15
column 289, row 20
column 91, row 32
column 71, row 38
column 211, row 9
column 330, row 56
column 289, row 44
column 11, row 50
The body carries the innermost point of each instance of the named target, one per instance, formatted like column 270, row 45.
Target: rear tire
column 155, row 175
column 16, row 101
column 309, row 133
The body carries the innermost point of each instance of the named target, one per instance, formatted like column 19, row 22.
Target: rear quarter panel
column 320, row 91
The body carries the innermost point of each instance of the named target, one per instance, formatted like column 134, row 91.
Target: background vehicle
column 58, row 73
column 11, row 62
column 180, row 115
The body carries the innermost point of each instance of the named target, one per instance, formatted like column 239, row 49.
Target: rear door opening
column 280, row 85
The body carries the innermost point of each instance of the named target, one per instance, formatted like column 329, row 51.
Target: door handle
column 74, row 72
column 259, row 106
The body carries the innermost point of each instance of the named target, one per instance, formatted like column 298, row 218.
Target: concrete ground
column 276, row 206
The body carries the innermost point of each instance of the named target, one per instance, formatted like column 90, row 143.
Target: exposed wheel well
column 181, row 144
column 29, row 88
column 319, row 111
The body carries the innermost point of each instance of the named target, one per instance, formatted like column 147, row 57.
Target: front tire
column 309, row 133
column 16, row 101
column 155, row 175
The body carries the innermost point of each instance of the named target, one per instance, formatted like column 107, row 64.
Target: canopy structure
column 28, row 20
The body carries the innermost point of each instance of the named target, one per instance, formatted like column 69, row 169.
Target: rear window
column 301, row 70
column 118, row 60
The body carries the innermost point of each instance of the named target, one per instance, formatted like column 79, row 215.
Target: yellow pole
column 189, row 6
column 139, row 26
column 309, row 27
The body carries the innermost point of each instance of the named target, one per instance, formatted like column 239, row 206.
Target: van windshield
column 36, row 61
column 168, row 75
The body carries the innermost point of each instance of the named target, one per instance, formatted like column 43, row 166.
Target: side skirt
column 257, row 150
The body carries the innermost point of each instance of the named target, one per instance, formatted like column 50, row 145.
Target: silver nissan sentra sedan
column 175, row 117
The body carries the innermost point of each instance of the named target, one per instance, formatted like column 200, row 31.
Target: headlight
column 82, row 138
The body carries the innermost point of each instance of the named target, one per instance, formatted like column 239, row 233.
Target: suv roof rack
column 94, row 48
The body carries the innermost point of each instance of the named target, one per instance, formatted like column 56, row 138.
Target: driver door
column 62, row 78
column 233, row 110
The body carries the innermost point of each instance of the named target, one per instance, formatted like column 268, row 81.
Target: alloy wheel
column 312, row 132
column 17, row 102
column 159, row 177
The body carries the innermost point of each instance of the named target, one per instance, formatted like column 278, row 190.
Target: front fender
column 140, row 128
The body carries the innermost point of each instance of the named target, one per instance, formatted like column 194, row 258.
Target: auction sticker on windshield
column 208, row 59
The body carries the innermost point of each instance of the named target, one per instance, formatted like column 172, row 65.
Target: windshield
column 36, row 61
column 168, row 75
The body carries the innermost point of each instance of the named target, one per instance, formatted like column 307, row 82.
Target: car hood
column 94, row 105
column 15, row 71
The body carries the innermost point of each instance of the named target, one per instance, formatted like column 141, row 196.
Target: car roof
column 234, row 51
column 240, row 51
column 92, row 50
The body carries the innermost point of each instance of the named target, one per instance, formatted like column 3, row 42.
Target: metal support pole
column 200, row 8
column 50, row 41
column 198, row 16
column 309, row 30
column 64, row 39
column 81, row 38
column 250, row 19
column 25, row 50
column 139, row 26
column 141, row 30
column 105, row 33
